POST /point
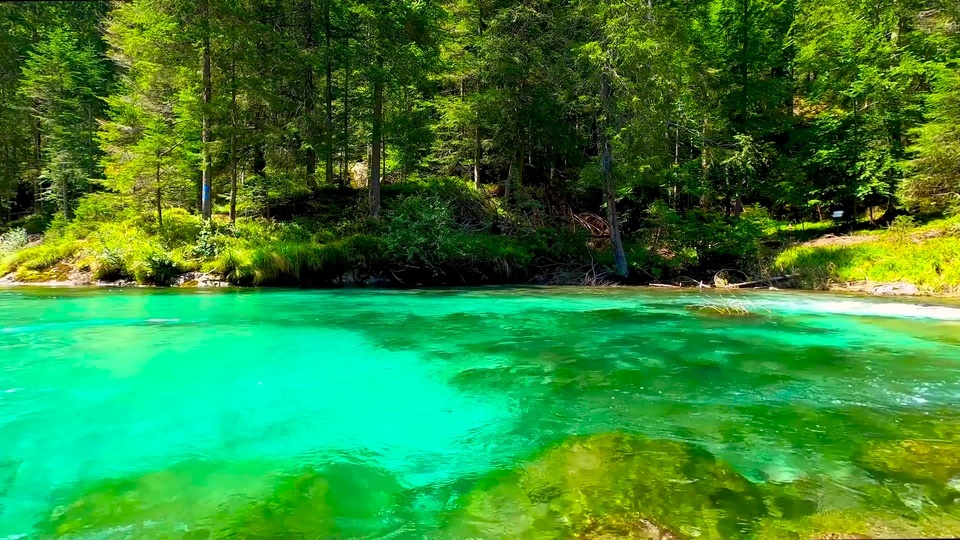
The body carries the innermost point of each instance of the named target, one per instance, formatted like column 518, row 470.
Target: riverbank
column 906, row 258
column 444, row 233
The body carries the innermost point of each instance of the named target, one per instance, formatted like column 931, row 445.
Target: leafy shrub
column 701, row 241
column 180, row 227
column 424, row 240
column 234, row 264
column 108, row 263
column 34, row 223
column 12, row 241
column 154, row 266
column 209, row 241
column 100, row 208
column 420, row 233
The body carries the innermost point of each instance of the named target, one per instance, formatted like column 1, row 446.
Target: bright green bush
column 41, row 257
column 180, row 227
column 12, row 241
column 154, row 266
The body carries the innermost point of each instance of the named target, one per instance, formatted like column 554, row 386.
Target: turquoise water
column 535, row 413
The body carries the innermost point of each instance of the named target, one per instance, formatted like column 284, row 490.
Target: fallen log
column 761, row 281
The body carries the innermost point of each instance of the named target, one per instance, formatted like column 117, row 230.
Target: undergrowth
column 437, row 231
column 925, row 255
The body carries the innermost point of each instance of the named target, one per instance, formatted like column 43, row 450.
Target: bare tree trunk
column 159, row 198
column 65, row 197
column 35, row 38
column 345, row 171
column 606, row 166
column 233, row 141
column 520, row 168
column 478, row 141
column 39, row 162
column 91, row 163
column 506, row 185
column 477, row 154
column 744, row 65
column 308, row 100
column 376, row 150
column 328, row 96
column 206, row 136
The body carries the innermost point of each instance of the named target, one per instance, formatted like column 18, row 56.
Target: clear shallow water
column 500, row 413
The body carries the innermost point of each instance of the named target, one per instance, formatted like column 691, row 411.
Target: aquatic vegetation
column 473, row 414
column 341, row 501
column 622, row 486
column 157, row 504
column 614, row 484
column 221, row 501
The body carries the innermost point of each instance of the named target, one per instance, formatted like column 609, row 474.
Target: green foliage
column 65, row 80
column 494, row 122
column 928, row 257
column 12, row 241
column 700, row 241
column 181, row 228
column 934, row 181
column 40, row 257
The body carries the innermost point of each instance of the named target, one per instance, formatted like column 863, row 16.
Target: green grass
column 432, row 232
column 927, row 256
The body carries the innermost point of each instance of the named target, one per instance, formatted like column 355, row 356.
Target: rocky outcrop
column 895, row 289
column 200, row 280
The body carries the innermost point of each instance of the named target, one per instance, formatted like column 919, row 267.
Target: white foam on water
column 895, row 310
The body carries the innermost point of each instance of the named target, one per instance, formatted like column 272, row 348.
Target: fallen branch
column 761, row 281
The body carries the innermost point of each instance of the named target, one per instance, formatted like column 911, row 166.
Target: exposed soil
column 831, row 240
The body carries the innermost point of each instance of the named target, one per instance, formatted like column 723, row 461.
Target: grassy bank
column 443, row 232
column 927, row 256
column 432, row 232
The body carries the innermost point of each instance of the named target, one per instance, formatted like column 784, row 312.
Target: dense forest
column 466, row 141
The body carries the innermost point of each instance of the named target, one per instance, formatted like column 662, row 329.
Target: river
column 476, row 413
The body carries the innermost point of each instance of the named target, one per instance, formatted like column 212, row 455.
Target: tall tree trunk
column 35, row 38
column 478, row 141
column 206, row 136
column 507, row 185
column 744, row 63
column 65, row 197
column 233, row 142
column 159, row 195
column 477, row 154
column 38, row 159
column 308, row 99
column 91, row 163
column 345, row 169
column 606, row 167
column 328, row 96
column 259, row 160
column 376, row 150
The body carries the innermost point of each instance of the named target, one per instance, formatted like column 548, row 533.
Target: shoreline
column 210, row 281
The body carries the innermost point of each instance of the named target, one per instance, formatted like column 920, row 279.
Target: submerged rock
column 613, row 486
column 215, row 501
column 619, row 486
